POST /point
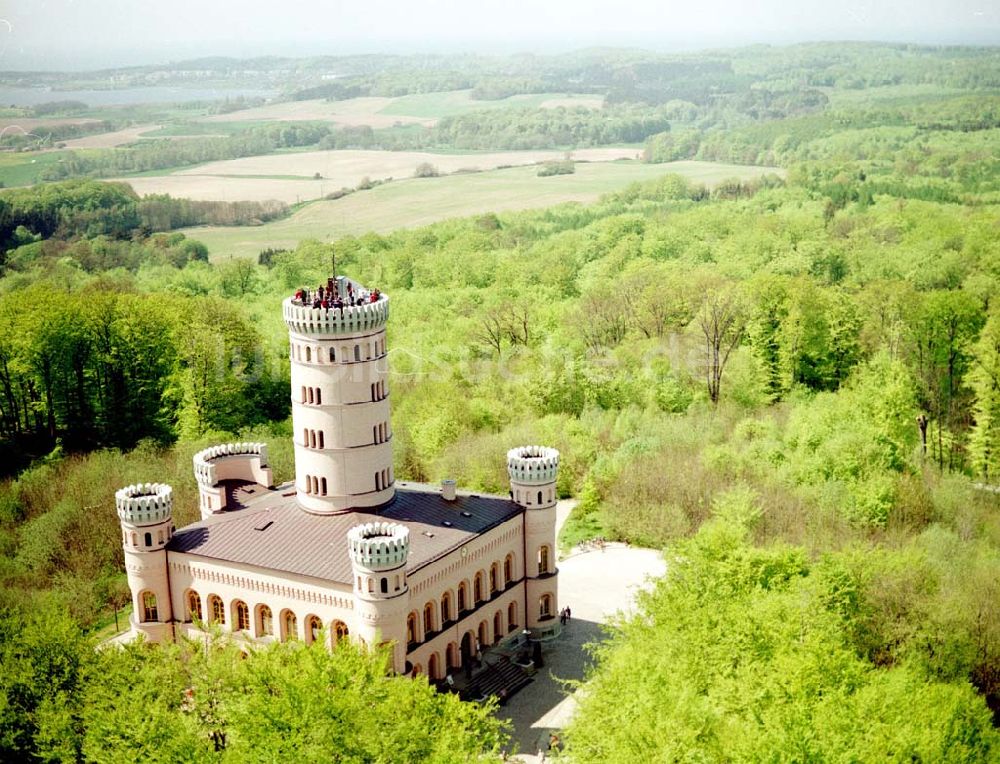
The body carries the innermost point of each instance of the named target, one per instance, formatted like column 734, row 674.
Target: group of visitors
column 328, row 297
column 564, row 615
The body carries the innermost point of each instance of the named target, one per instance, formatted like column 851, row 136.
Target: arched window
column 545, row 606
column 216, row 609
column 539, row 497
column 371, row 585
column 309, row 395
column 357, row 352
column 494, row 573
column 321, row 439
column 478, row 587
column 384, row 587
column 446, row 607
column 543, row 560
column 411, row 629
column 264, row 626
column 308, row 354
column 428, row 618
column 463, row 597
column 373, row 392
column 484, row 636
column 497, row 626
column 149, row 539
column 305, row 437
column 333, row 355
column 508, row 569
column 314, row 627
column 322, row 486
column 289, row 626
column 312, row 439
column 339, row 631
column 193, row 606
column 319, row 396
column 149, row 613
column 511, row 616
column 241, row 616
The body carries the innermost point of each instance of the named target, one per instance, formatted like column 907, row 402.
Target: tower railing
column 344, row 320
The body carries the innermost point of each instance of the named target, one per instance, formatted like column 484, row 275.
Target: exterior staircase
column 500, row 678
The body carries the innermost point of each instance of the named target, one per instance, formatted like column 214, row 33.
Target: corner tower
column 533, row 471
column 146, row 514
column 340, row 396
column 381, row 593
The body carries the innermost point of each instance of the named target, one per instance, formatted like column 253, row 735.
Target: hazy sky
column 47, row 34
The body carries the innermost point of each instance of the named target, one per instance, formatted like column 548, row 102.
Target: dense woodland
column 791, row 386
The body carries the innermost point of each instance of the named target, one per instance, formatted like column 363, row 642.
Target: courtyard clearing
column 595, row 585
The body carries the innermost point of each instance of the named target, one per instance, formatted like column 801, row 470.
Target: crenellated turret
column 229, row 461
column 378, row 559
column 146, row 514
column 533, row 471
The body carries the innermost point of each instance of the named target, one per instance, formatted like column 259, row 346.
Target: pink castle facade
column 345, row 551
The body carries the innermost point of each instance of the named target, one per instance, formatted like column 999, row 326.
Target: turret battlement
column 342, row 307
column 145, row 503
column 206, row 461
column 533, row 465
column 379, row 546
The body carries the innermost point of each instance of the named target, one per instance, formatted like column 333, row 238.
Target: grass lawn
column 415, row 202
column 105, row 627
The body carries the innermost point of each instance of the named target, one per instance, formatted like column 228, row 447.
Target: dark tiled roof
column 273, row 532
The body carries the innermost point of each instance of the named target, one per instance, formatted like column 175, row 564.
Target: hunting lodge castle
column 346, row 551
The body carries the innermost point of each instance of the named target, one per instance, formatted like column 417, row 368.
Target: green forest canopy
column 793, row 387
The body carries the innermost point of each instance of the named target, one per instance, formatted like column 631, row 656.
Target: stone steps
column 500, row 678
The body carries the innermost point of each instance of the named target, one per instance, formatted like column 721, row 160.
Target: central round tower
column 340, row 397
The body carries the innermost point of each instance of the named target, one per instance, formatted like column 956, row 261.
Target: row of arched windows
column 320, row 354
column 313, row 438
column 262, row 624
column 378, row 390
column 315, row 486
column 435, row 616
column 312, row 395
column 147, row 538
column 380, row 432
column 383, row 585
column 540, row 497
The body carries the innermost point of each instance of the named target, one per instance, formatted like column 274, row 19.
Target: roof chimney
column 448, row 490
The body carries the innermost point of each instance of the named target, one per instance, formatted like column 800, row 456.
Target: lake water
column 126, row 96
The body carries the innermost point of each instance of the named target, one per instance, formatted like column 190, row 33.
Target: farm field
column 110, row 140
column 289, row 177
column 31, row 124
column 25, row 168
column 416, row 202
column 350, row 112
column 455, row 102
column 379, row 112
